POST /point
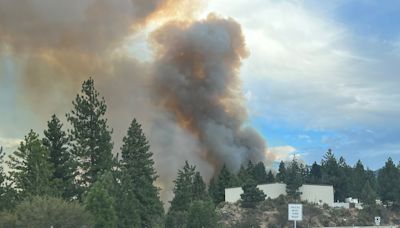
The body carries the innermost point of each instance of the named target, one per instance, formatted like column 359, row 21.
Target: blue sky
column 323, row 74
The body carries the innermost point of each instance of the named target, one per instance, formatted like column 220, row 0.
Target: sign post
column 378, row 221
column 295, row 213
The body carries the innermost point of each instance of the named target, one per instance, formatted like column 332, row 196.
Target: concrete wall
column 232, row 194
column 312, row 193
column 317, row 194
column 273, row 190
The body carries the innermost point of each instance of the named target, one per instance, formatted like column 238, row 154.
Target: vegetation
column 191, row 206
column 90, row 135
column 46, row 212
column 251, row 195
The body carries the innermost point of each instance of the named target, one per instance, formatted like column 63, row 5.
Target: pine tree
column 100, row 202
column 90, row 135
column 127, row 206
column 183, row 197
column 242, row 175
column 199, row 188
column 137, row 161
column 202, row 214
column 8, row 195
column 251, row 195
column 3, row 191
column 315, row 174
column 250, row 169
column 294, row 180
column 212, row 189
column 260, row 175
column 371, row 177
column 358, row 179
column 183, row 188
column 31, row 170
column 343, row 180
column 368, row 196
column 281, row 176
column 389, row 182
column 56, row 142
column 225, row 180
column 330, row 171
column 270, row 177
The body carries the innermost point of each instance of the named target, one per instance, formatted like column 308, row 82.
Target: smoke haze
column 188, row 98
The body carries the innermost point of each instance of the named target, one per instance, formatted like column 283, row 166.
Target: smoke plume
column 188, row 97
column 196, row 79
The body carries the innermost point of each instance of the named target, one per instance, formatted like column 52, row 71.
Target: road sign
column 378, row 221
column 295, row 212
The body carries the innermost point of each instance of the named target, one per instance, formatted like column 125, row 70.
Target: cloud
column 282, row 153
column 9, row 143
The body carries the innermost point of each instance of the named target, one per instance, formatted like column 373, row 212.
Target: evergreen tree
column 281, row 176
column 90, row 135
column 315, row 174
column 8, row 195
column 212, row 189
column 137, row 161
column 183, row 197
column 3, row 184
column 389, row 182
column 242, row 175
column 294, row 180
column 31, row 171
column 371, row 177
column 199, row 188
column 127, row 206
column 260, row 175
column 368, row 196
column 100, row 202
column 202, row 214
column 183, row 188
column 251, row 195
column 270, row 177
column 359, row 178
column 330, row 172
column 343, row 180
column 63, row 168
column 225, row 180
column 250, row 170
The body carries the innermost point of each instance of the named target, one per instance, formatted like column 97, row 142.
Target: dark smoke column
column 196, row 79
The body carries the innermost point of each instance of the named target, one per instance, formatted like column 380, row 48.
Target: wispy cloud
column 9, row 143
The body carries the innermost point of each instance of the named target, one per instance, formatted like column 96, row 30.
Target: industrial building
column 319, row 194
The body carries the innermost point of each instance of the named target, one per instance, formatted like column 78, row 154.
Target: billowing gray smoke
column 196, row 78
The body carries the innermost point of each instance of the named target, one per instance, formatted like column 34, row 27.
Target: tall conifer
column 138, row 164
column 90, row 134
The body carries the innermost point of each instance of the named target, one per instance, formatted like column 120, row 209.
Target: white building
column 320, row 194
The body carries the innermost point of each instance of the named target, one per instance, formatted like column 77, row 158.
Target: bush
column 7, row 220
column 251, row 195
column 39, row 212
column 202, row 214
column 249, row 220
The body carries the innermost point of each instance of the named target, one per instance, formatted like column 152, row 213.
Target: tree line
column 73, row 174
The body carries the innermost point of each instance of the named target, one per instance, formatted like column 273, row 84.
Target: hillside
column 273, row 213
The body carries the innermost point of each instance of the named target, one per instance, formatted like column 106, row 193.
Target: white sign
column 378, row 221
column 295, row 212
